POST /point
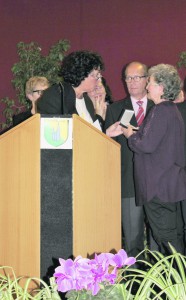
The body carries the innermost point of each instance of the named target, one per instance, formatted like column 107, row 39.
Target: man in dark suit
column 135, row 76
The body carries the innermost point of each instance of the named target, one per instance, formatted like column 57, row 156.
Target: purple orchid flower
column 84, row 273
column 121, row 259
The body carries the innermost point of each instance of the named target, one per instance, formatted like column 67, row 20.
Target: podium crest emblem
column 56, row 131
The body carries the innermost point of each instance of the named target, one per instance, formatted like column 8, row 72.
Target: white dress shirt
column 82, row 110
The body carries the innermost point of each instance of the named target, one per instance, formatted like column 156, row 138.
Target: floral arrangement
column 90, row 275
column 102, row 278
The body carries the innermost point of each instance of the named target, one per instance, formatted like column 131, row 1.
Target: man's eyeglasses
column 40, row 92
column 135, row 78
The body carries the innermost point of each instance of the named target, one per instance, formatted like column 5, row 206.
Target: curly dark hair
column 77, row 65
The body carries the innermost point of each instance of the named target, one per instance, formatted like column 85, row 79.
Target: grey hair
column 167, row 76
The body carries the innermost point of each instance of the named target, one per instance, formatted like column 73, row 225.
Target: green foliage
column 9, row 110
column 11, row 287
column 159, row 278
column 182, row 60
column 107, row 292
column 164, row 279
column 33, row 63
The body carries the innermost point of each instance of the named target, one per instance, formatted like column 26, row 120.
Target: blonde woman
column 34, row 89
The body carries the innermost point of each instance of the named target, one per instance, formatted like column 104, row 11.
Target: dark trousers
column 165, row 220
column 133, row 225
column 183, row 207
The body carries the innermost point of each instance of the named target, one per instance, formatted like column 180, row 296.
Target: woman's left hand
column 127, row 132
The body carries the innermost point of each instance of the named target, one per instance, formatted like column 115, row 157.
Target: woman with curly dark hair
column 80, row 71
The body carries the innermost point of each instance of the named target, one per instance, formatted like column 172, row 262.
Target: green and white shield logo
column 56, row 131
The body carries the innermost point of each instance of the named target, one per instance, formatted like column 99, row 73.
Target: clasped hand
column 116, row 129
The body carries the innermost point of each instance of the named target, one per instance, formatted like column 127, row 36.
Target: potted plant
column 164, row 278
column 106, row 277
column 13, row 288
column 97, row 278
column 159, row 277
column 32, row 63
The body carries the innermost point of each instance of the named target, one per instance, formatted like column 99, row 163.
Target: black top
column 19, row 118
column 61, row 99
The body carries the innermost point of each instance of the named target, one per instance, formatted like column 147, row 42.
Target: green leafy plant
column 164, row 279
column 32, row 63
column 182, row 60
column 107, row 292
column 11, row 287
column 159, row 278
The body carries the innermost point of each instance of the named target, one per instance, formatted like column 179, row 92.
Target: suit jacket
column 57, row 100
column 182, row 108
column 113, row 114
column 159, row 159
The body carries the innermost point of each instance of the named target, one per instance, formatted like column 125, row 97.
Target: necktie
column 140, row 115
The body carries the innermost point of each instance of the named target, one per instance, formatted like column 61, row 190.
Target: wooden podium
column 57, row 202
